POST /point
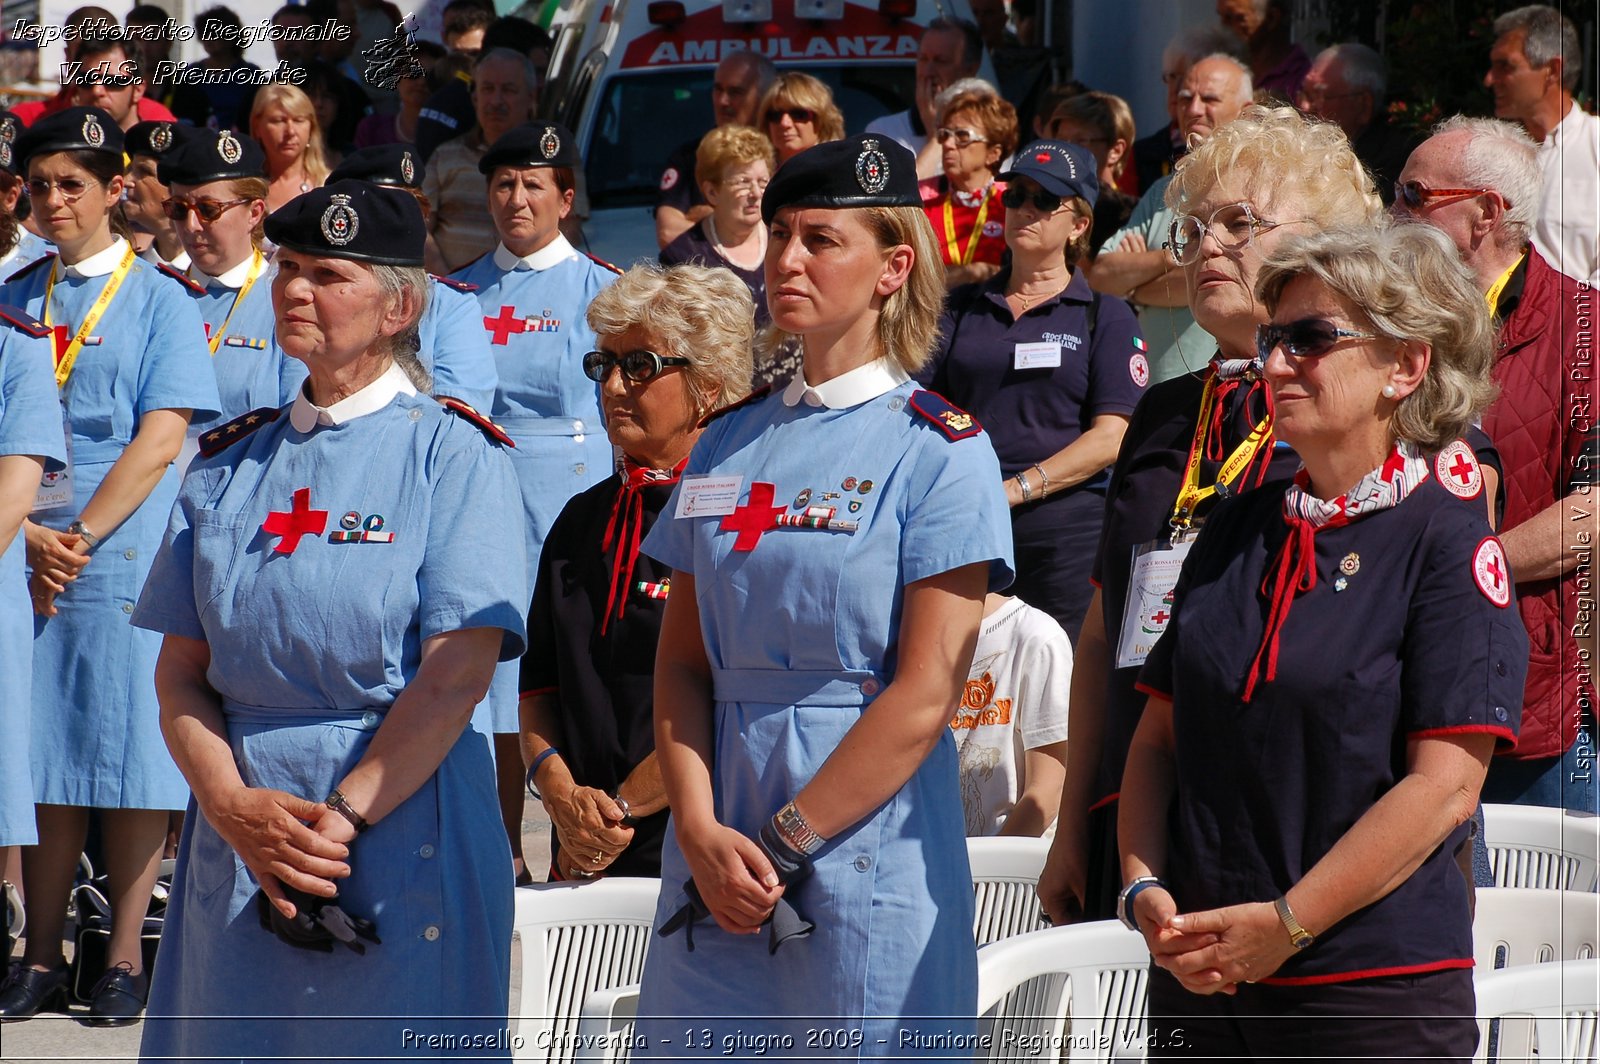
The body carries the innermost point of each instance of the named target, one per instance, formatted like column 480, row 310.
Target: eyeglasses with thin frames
column 963, row 137
column 71, row 188
column 1234, row 226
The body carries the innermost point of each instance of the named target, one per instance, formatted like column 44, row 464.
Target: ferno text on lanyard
column 256, row 263
column 951, row 243
column 1191, row 494
column 68, row 356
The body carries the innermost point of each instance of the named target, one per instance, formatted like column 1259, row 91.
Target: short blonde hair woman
column 284, row 121
column 798, row 112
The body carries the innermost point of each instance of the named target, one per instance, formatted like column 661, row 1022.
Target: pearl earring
column 1389, row 392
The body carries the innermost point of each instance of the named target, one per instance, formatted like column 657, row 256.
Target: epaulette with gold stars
column 755, row 396
column 182, row 278
column 490, row 429
column 950, row 419
column 22, row 320
column 30, row 267
column 602, row 262
column 451, row 282
column 224, row 436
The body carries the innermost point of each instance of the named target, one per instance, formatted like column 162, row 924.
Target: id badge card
column 708, row 495
column 55, row 489
column 1151, row 582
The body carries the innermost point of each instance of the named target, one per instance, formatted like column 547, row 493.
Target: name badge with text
column 708, row 495
column 1036, row 356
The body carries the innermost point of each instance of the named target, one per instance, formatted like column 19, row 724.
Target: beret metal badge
column 872, row 168
column 5, row 154
column 161, row 136
column 408, row 169
column 8, row 129
column 93, row 135
column 229, row 148
column 340, row 221
column 549, row 144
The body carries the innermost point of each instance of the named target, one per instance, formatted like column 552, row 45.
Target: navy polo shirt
column 1030, row 414
column 678, row 187
column 1411, row 646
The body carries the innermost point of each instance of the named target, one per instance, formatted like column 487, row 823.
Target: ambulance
column 632, row 80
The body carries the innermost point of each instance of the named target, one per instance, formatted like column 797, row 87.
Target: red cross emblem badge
column 300, row 520
column 1457, row 469
column 1490, row 571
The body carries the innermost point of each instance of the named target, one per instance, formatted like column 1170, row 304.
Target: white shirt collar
column 101, row 262
column 1568, row 126
column 557, row 251
column 860, row 385
column 154, row 258
column 305, row 415
column 233, row 278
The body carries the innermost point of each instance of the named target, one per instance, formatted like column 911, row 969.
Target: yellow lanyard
column 951, row 243
column 70, row 356
column 249, row 280
column 1493, row 295
column 1191, row 495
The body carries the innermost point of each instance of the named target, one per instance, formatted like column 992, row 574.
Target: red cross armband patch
column 22, row 320
column 182, row 278
column 951, row 420
column 223, row 436
column 1491, row 573
column 754, row 397
column 1458, row 470
column 451, row 282
column 490, row 429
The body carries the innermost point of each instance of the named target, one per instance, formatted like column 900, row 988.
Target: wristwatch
column 1299, row 937
column 78, row 528
column 795, row 831
column 1130, row 892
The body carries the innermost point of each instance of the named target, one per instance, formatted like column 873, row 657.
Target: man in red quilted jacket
column 1478, row 180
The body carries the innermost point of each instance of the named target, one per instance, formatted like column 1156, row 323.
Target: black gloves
column 784, row 924
column 317, row 924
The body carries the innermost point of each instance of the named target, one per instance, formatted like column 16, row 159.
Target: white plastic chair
column 1072, row 993
column 1514, row 926
column 1005, row 878
column 605, row 1023
column 574, row 939
column 1546, row 1012
column 1534, row 846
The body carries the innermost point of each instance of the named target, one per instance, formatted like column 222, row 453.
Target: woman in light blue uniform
column 454, row 348
column 832, row 545
column 31, row 444
column 532, row 293
column 328, row 632
column 132, row 366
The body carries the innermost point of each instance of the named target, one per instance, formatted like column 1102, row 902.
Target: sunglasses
column 637, row 366
column 796, row 115
column 71, row 188
column 1044, row 202
column 1416, row 196
column 209, row 210
column 1307, row 338
column 964, row 138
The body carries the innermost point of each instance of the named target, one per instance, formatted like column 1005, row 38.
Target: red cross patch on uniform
column 1139, row 369
column 1490, row 571
column 1457, row 469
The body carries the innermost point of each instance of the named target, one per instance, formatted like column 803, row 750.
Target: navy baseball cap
column 1059, row 167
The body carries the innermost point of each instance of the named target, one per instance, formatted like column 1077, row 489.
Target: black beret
column 10, row 127
column 154, row 138
column 207, row 155
column 75, row 129
column 352, row 220
column 532, row 144
column 382, row 164
column 861, row 171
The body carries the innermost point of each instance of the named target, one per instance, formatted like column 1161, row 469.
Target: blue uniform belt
column 357, row 719
column 794, row 687
column 537, row 425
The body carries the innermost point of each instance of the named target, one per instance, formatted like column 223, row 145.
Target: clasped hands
column 284, row 840
column 1215, row 950
column 589, row 829
column 56, row 559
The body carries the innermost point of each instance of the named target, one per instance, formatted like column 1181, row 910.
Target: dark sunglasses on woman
column 1014, row 197
column 638, row 366
column 1306, row 338
column 209, row 210
column 796, row 115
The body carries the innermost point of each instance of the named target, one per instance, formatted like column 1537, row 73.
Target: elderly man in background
column 1478, row 180
column 1533, row 68
column 1277, row 64
column 736, row 88
column 1155, row 155
column 951, row 49
column 1133, row 264
column 1347, row 85
column 504, row 94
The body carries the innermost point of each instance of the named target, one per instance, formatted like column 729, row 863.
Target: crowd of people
column 1215, row 501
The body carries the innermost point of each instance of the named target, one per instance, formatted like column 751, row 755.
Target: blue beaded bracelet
column 533, row 770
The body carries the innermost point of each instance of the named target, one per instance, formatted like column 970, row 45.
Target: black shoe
column 27, row 991
column 117, row 1000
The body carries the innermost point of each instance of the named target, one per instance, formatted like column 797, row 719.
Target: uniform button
column 414, row 414
column 369, row 719
column 869, row 687
column 863, row 863
column 897, row 403
column 1500, row 713
column 130, row 554
column 425, row 852
column 1499, row 668
column 577, row 426
column 127, row 607
column 580, row 468
column 578, row 438
column 431, row 933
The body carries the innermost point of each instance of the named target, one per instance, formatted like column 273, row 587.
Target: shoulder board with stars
column 30, row 267
column 22, row 320
column 451, row 282
column 223, row 436
column 950, row 419
column 753, row 397
column 602, row 263
column 181, row 277
column 490, row 429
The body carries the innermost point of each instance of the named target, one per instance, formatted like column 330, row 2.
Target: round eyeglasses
column 1233, row 226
